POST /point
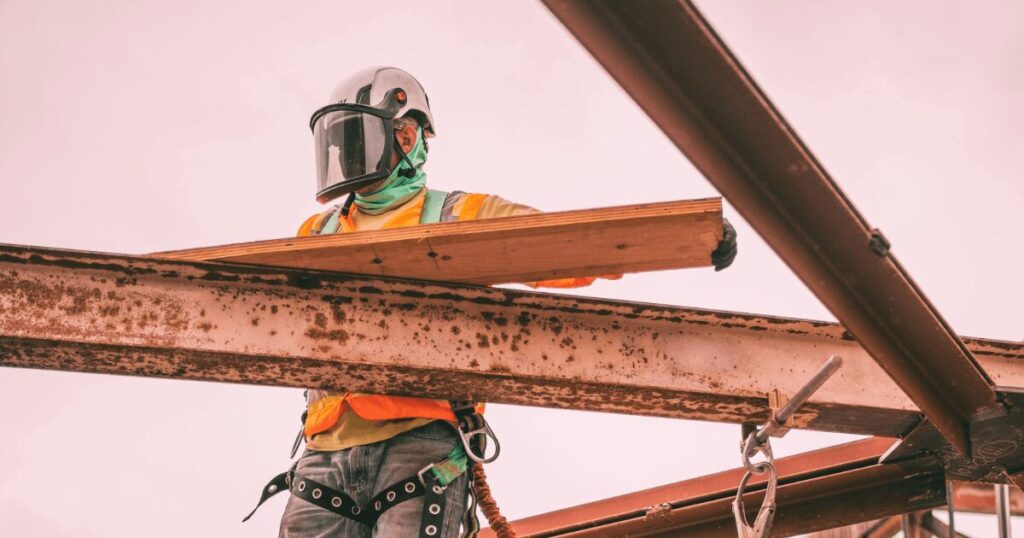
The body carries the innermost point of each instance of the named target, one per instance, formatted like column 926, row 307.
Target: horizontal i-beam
column 670, row 60
column 119, row 314
column 818, row 490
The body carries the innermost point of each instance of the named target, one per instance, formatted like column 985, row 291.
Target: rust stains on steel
column 710, row 107
column 128, row 315
column 841, row 485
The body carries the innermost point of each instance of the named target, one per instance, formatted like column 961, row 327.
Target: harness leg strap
column 434, row 501
column 279, row 483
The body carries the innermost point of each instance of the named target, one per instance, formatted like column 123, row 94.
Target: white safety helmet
column 354, row 135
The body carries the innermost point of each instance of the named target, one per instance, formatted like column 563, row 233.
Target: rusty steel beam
column 137, row 316
column 119, row 314
column 818, row 490
column 669, row 59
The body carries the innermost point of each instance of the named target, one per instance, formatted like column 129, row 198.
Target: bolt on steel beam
column 669, row 59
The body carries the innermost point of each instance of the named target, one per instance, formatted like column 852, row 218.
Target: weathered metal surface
column 821, row 489
column 670, row 60
column 135, row 316
column 998, row 454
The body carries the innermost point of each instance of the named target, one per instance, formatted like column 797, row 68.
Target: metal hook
column 758, row 440
column 763, row 522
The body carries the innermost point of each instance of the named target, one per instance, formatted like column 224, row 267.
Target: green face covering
column 397, row 188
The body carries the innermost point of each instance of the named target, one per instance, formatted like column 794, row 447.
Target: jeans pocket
column 438, row 430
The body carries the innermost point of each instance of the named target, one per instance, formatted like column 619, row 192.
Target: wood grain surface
column 590, row 242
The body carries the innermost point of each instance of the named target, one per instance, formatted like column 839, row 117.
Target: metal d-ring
column 486, row 432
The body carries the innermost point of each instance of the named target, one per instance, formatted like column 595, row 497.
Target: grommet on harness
column 430, row 482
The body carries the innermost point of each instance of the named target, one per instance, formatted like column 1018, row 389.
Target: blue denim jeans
column 365, row 471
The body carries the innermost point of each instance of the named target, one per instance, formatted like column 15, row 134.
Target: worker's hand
column 723, row 256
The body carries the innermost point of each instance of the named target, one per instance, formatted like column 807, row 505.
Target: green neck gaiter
column 397, row 188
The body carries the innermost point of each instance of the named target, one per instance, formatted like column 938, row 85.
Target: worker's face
column 406, row 137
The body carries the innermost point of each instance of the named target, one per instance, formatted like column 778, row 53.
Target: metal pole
column 1003, row 509
column 911, row 525
column 830, row 367
column 950, row 508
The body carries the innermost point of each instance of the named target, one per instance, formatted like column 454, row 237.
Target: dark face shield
column 351, row 147
column 354, row 143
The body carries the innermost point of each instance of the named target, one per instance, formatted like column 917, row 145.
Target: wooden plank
column 625, row 239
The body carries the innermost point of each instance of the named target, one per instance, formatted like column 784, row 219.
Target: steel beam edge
column 669, row 59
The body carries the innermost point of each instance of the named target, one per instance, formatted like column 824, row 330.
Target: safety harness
column 431, row 481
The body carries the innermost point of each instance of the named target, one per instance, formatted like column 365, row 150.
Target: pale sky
column 144, row 126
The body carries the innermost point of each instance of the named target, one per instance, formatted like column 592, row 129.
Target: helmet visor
column 350, row 145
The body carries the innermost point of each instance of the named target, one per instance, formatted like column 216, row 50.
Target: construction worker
column 379, row 465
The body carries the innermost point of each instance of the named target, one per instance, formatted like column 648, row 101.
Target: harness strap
column 331, row 499
column 434, row 501
column 430, row 482
column 279, row 483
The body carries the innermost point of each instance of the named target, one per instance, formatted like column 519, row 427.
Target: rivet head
column 376, row 506
column 272, row 488
column 434, row 509
column 410, row 487
column 430, row 530
column 336, row 502
column 356, row 510
column 302, row 486
column 317, row 493
column 391, row 496
column 438, row 490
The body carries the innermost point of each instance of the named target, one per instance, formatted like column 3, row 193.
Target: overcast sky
column 144, row 126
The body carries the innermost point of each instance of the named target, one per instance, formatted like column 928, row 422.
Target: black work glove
column 723, row 256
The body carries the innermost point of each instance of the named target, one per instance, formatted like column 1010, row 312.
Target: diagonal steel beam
column 119, row 314
column 670, row 60
column 818, row 490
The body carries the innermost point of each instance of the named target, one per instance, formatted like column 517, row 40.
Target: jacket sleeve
column 497, row 207
column 307, row 227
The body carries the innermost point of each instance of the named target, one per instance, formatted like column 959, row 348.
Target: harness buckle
column 421, row 475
